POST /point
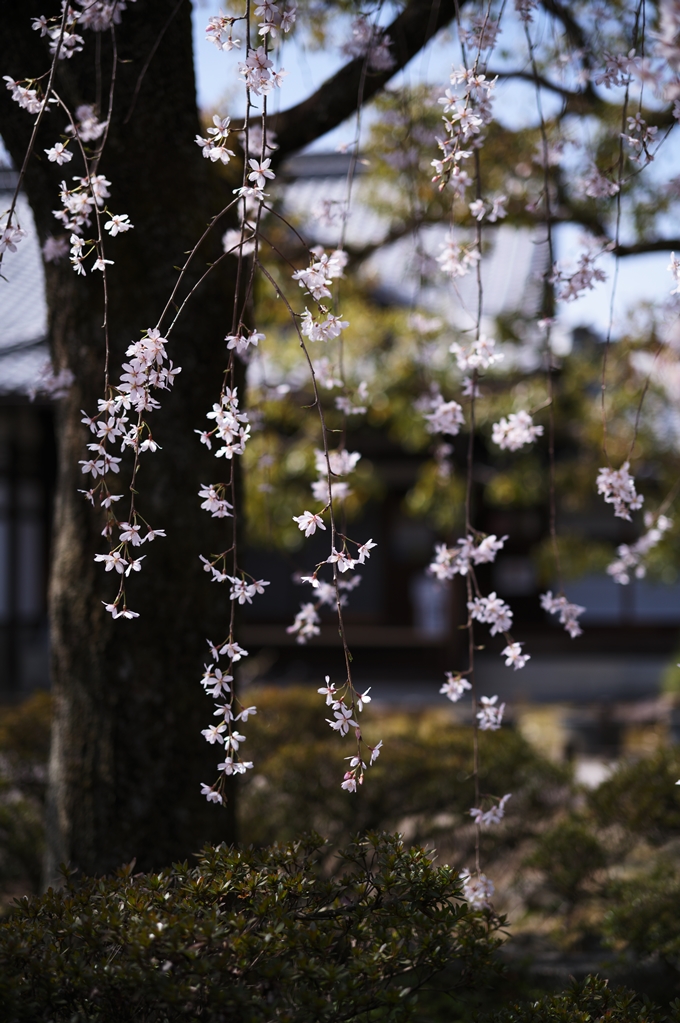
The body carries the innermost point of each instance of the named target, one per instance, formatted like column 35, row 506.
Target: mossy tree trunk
column 127, row 755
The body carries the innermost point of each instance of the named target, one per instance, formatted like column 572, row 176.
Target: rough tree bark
column 127, row 756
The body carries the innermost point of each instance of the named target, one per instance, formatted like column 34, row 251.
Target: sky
column 639, row 277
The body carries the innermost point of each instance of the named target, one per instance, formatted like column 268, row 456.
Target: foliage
column 587, row 1001
column 570, row 854
column 254, row 935
column 645, row 911
column 24, row 748
column 641, row 797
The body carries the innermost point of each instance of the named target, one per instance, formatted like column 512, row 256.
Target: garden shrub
column 248, row 935
column 588, row 1001
column 24, row 749
column 641, row 797
column 569, row 854
column 645, row 913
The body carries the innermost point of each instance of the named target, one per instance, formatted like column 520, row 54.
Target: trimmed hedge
column 249, row 935
column 588, row 1001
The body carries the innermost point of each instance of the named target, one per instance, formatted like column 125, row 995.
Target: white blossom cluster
column 490, row 714
column 569, row 613
column 617, row 70
column 79, row 203
column 342, row 463
column 28, row 98
column 275, row 20
column 478, row 356
column 639, row 136
column 480, row 33
column 492, row 816
column 88, row 127
column 514, row 658
column 572, row 284
column 369, row 41
column 231, row 425
column 515, row 432
column 451, row 561
column 148, row 369
column 345, row 702
column 492, row 210
column 225, row 731
column 466, row 114
column 445, row 416
column 478, row 889
column 10, row 238
column 321, row 330
column 306, row 622
column 525, row 9
column 317, row 277
column 54, row 385
column 618, row 488
column 257, row 74
column 455, row 686
column 630, row 556
column 232, row 429
column 457, row 260
column 491, row 611
column 214, row 148
column 95, row 15
column 598, row 186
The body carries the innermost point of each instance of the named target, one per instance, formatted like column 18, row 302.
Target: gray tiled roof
column 23, row 310
column 511, row 271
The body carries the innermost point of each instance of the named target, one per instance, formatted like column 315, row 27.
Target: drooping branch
column 336, row 99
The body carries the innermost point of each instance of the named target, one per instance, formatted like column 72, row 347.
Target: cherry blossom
column 514, row 658
column 457, row 260
column 343, row 719
column 571, row 285
column 118, row 224
column 306, row 623
column 490, row 716
column 219, row 32
column 59, row 153
column 260, row 172
column 569, row 613
column 364, row 551
column 445, row 417
column 455, row 687
column 450, row 561
column 26, row 97
column 618, row 488
column 368, row 40
column 211, row 794
column 342, row 559
column 10, row 238
column 54, row 249
column 515, row 432
column 630, row 556
column 493, row 816
column 479, row 355
column 322, row 330
column 308, row 522
column 89, row 127
column 477, row 889
column 218, row 506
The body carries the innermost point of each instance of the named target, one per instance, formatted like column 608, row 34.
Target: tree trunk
column 127, row 754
